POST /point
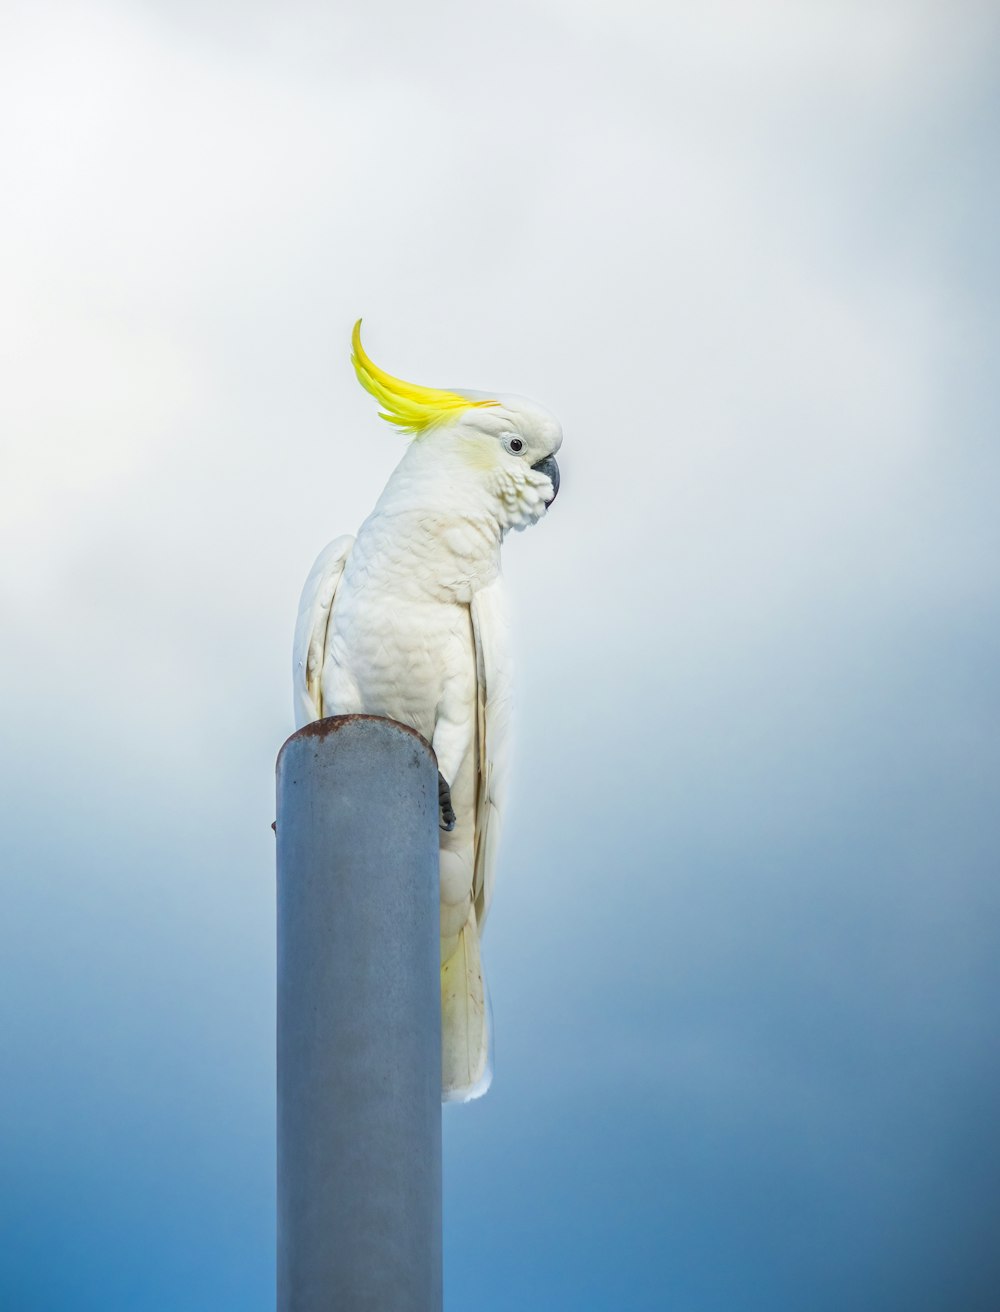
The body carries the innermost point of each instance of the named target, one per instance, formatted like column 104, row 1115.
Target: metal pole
column 359, row 1020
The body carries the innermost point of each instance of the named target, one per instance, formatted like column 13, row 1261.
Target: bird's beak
column 549, row 467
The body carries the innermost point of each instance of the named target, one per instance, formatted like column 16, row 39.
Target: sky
column 743, row 952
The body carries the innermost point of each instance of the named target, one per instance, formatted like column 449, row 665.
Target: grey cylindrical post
column 359, row 1020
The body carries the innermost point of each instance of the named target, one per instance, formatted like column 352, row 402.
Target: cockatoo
column 407, row 621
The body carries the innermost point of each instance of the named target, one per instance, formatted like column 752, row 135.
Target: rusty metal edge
column 331, row 723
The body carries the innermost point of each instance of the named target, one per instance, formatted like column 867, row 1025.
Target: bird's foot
column 444, row 804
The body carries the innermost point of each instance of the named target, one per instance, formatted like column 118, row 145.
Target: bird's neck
column 447, row 526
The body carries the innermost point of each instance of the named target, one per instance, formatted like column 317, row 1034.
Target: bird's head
column 507, row 442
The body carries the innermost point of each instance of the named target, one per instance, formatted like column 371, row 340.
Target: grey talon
column 444, row 804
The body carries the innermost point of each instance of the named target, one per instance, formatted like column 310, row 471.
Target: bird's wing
column 489, row 625
column 315, row 608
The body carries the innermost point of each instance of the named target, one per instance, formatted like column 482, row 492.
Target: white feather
column 494, row 685
column 309, row 647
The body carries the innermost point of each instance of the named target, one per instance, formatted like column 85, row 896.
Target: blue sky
column 743, row 952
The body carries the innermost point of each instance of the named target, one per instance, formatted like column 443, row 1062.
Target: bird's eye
column 514, row 445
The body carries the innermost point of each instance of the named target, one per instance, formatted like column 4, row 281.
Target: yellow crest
column 412, row 408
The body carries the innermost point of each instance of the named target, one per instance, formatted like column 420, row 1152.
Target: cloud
column 744, row 254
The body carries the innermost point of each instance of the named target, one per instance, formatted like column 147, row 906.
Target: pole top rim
column 331, row 724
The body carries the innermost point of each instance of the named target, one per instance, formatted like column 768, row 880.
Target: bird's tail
column 465, row 1024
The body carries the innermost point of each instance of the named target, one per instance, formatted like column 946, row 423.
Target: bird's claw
column 444, row 804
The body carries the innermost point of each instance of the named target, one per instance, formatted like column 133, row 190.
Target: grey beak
column 549, row 467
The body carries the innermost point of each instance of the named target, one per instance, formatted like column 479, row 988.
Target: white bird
column 408, row 621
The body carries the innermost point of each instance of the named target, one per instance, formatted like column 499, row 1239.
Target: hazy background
column 744, row 952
